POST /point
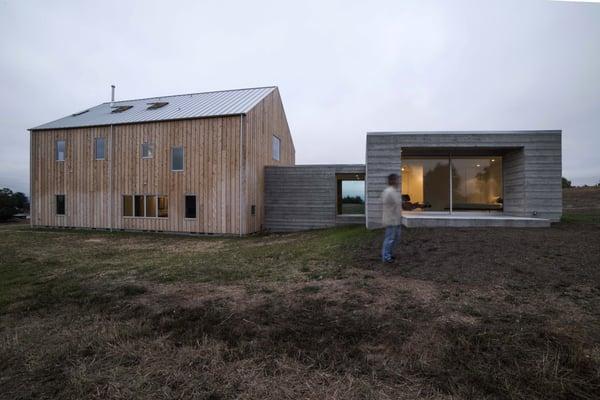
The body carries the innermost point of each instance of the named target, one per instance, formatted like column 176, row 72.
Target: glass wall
column 476, row 183
column 426, row 184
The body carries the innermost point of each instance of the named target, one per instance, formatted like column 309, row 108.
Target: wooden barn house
column 187, row 163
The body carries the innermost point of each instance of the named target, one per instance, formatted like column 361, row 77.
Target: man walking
column 392, row 217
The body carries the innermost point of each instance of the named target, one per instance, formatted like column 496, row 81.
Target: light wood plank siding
column 261, row 123
column 94, row 189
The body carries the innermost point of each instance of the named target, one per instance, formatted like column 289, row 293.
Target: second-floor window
column 99, row 148
column 177, row 159
column 147, row 150
column 276, row 147
column 60, row 150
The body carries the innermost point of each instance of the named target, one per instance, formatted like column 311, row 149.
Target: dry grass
column 463, row 314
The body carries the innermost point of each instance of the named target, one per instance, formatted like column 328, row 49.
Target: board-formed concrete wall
column 303, row 196
column 532, row 166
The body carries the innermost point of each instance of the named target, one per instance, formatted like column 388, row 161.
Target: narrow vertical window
column 60, row 150
column 127, row 206
column 147, row 150
column 99, row 148
column 190, row 206
column 60, row 204
column 150, row 206
column 163, row 206
column 276, row 147
column 139, row 206
column 177, row 159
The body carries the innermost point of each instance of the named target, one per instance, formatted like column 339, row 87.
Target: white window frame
column 64, row 153
column 277, row 140
column 96, row 148
column 182, row 158
column 150, row 150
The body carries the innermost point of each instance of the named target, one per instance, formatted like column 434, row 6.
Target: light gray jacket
column 392, row 206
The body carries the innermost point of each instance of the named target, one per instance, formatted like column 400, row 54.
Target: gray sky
column 343, row 67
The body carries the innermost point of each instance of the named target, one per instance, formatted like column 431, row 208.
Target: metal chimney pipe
column 112, row 94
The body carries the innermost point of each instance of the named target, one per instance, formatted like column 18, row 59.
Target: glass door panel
column 426, row 184
column 477, row 183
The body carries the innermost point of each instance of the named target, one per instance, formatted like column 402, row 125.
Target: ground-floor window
column 190, row 206
column 163, row 206
column 149, row 206
column 452, row 183
column 351, row 194
column 60, row 204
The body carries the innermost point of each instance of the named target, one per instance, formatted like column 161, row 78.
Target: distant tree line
column 12, row 203
column 567, row 184
column 352, row 200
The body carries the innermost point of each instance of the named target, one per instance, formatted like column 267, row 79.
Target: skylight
column 120, row 109
column 155, row 105
column 79, row 113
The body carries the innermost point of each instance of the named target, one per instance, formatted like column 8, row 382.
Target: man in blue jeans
column 392, row 217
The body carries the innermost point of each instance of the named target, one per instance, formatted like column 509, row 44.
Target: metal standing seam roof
column 184, row 106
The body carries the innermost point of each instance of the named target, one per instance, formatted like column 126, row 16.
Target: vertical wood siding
column 264, row 121
column 211, row 172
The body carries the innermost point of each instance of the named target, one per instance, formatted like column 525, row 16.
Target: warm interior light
column 493, row 160
column 478, row 165
column 402, row 168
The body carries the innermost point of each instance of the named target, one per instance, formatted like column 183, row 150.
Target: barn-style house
column 187, row 163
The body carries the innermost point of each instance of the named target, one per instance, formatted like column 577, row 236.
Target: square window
column 177, row 159
column 147, row 150
column 60, row 150
column 276, row 147
column 60, row 204
column 190, row 206
column 127, row 206
column 99, row 148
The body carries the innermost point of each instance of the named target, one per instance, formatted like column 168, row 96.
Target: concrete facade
column 304, row 197
column 532, row 166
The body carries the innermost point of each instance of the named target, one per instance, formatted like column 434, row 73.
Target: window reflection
column 426, row 184
column 476, row 183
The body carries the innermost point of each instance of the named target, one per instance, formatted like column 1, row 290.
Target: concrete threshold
column 469, row 220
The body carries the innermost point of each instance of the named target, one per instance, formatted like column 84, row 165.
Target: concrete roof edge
column 469, row 132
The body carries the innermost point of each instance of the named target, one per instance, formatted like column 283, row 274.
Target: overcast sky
column 343, row 67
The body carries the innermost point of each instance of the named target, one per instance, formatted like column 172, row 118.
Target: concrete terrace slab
column 469, row 220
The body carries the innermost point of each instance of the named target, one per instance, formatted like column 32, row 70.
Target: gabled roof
column 185, row 106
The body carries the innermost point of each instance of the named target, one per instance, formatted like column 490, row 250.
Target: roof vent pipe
column 112, row 95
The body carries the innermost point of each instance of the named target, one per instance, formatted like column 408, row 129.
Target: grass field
column 463, row 314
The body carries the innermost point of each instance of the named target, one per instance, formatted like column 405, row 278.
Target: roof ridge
column 189, row 94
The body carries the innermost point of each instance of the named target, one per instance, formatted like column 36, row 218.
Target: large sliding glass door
column 477, row 184
column 426, row 183
column 452, row 183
